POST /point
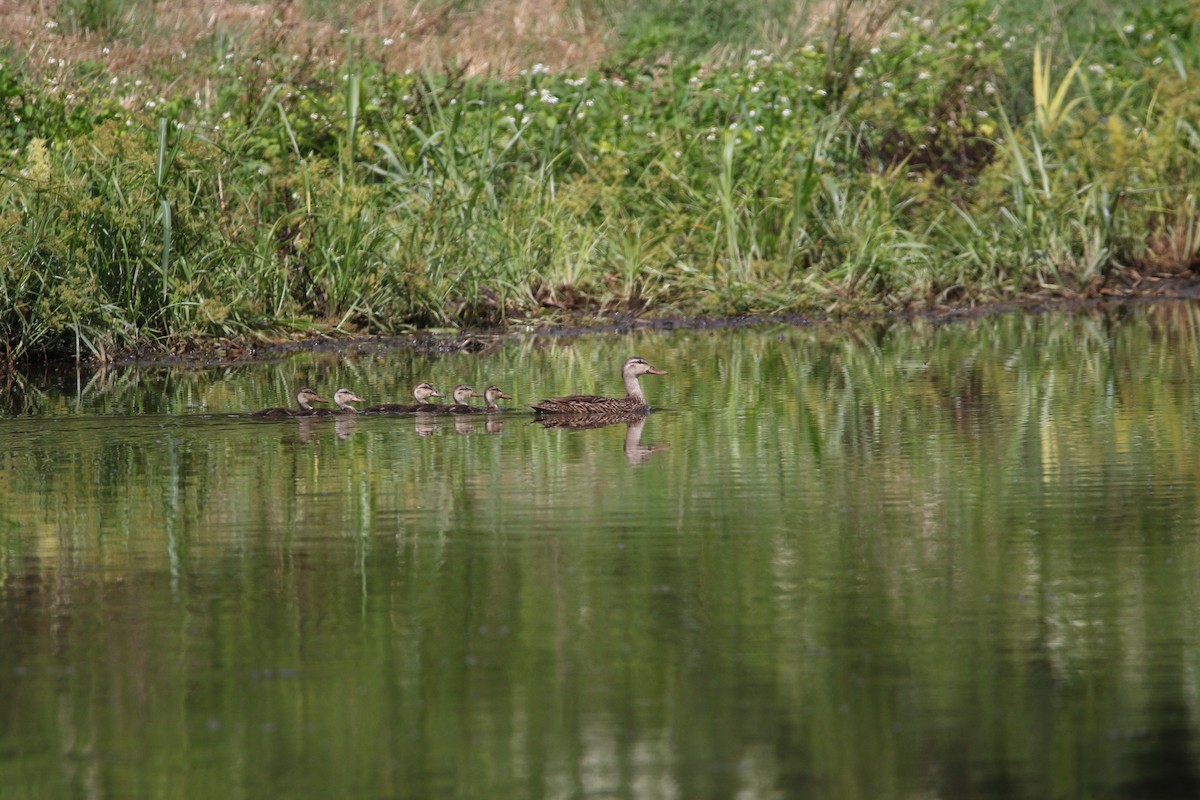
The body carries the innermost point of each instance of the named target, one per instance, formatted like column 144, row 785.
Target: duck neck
column 304, row 404
column 633, row 389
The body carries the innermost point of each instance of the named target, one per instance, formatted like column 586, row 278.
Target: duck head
column 306, row 397
column 636, row 365
column 344, row 397
column 493, row 393
column 424, row 391
column 462, row 394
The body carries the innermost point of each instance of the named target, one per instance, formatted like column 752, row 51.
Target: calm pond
column 956, row 560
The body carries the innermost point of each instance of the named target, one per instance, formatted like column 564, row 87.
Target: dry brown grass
column 499, row 38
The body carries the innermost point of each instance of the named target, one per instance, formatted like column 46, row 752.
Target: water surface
column 923, row 560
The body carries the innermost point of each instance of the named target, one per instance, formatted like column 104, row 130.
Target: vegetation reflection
column 879, row 562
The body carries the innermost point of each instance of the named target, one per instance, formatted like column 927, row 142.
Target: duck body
column 422, row 392
column 343, row 398
column 304, row 399
column 583, row 405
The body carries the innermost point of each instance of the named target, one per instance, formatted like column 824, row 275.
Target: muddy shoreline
column 223, row 352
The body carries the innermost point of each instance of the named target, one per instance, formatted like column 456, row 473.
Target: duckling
column 634, row 402
column 462, row 395
column 304, row 398
column 343, row 398
column 490, row 395
column 422, row 392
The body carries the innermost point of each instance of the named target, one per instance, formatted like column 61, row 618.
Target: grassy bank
column 346, row 168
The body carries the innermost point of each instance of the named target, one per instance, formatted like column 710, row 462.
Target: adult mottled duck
column 634, row 402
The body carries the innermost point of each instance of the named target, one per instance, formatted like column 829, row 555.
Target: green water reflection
column 958, row 560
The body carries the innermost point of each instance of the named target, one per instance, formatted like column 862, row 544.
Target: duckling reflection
column 306, row 430
column 636, row 453
column 464, row 425
column 426, row 425
column 345, row 426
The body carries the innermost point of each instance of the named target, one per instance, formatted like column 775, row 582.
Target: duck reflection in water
column 466, row 425
column 463, row 424
column 426, row 425
column 345, row 426
column 306, row 429
column 636, row 453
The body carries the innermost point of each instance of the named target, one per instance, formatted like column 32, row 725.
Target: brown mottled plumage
column 634, row 402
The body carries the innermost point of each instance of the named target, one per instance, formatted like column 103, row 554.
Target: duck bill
column 356, row 399
column 318, row 400
column 436, row 393
column 656, row 371
column 504, row 396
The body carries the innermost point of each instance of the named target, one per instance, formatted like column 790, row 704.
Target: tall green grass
column 928, row 159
